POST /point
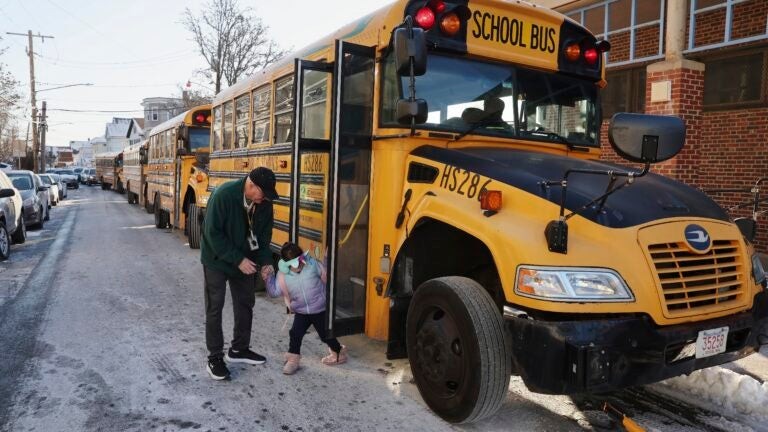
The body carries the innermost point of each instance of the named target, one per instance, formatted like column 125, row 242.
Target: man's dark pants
column 243, row 299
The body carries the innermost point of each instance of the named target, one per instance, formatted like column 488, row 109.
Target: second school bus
column 177, row 174
column 447, row 155
column 134, row 171
column 109, row 169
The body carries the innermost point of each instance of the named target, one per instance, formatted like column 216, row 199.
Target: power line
column 148, row 61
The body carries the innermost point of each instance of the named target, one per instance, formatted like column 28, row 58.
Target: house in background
column 705, row 61
column 160, row 109
column 82, row 152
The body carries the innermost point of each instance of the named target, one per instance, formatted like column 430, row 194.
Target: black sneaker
column 217, row 369
column 244, row 356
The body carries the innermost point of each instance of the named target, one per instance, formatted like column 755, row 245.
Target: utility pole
column 43, row 128
column 31, row 53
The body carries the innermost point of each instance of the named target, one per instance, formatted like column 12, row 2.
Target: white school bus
column 447, row 155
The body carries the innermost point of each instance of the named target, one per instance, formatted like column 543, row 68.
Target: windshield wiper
column 551, row 135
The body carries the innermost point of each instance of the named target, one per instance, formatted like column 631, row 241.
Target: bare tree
column 9, row 99
column 232, row 40
column 192, row 98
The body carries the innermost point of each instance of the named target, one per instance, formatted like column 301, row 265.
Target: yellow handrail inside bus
column 354, row 221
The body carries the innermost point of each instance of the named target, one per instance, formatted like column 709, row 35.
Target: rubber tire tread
column 7, row 255
column 494, row 347
column 193, row 220
column 20, row 236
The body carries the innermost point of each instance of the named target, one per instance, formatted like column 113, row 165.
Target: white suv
column 5, row 167
column 12, row 227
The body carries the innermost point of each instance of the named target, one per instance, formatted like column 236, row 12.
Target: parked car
column 53, row 189
column 68, row 176
column 62, row 186
column 79, row 172
column 5, row 167
column 35, row 197
column 12, row 227
column 89, row 176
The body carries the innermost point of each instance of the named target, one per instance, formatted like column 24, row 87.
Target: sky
column 130, row 50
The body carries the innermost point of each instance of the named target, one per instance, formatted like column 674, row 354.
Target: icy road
column 101, row 328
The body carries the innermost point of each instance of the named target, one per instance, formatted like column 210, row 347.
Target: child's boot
column 333, row 358
column 291, row 363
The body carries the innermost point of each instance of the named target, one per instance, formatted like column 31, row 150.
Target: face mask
column 285, row 266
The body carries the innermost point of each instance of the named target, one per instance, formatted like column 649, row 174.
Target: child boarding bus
column 108, row 168
column 177, row 174
column 446, row 153
column 134, row 171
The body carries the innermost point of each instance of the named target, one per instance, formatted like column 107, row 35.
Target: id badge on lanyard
column 253, row 242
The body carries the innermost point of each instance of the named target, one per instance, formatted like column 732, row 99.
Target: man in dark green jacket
column 237, row 232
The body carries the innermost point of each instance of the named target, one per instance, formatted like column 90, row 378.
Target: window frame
column 762, row 100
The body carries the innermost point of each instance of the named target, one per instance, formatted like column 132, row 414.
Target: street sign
column 19, row 149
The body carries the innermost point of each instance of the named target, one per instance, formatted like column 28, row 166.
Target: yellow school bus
column 446, row 153
column 134, row 171
column 177, row 175
column 108, row 168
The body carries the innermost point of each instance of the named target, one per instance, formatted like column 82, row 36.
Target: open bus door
column 331, row 176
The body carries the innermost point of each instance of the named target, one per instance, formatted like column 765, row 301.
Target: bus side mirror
column 646, row 138
column 410, row 46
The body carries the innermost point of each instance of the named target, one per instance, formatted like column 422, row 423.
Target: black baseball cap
column 265, row 179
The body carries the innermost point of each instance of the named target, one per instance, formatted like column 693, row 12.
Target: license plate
column 711, row 342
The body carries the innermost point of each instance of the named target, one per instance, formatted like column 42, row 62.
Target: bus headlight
column 757, row 269
column 572, row 284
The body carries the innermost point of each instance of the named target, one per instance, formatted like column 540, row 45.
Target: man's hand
column 267, row 271
column 247, row 266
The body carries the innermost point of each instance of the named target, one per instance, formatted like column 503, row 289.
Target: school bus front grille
column 692, row 282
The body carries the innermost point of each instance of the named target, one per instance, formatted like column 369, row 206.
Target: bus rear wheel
column 148, row 206
column 459, row 355
column 161, row 217
column 193, row 226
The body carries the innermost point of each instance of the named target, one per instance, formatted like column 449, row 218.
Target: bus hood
column 650, row 198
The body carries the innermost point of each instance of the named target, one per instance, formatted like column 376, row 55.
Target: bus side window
column 261, row 103
column 216, row 127
column 241, row 120
column 284, row 110
column 229, row 117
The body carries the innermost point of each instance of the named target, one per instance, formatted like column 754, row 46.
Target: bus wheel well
column 189, row 198
column 435, row 249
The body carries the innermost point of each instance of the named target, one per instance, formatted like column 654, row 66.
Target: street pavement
column 102, row 328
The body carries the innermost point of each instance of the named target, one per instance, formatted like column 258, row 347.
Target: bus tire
column 193, row 226
column 148, row 206
column 459, row 356
column 160, row 219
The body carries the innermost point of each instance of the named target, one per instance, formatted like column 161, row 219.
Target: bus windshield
column 198, row 138
column 471, row 96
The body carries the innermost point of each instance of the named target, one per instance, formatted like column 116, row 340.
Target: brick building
column 705, row 61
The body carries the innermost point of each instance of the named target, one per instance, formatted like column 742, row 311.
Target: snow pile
column 739, row 394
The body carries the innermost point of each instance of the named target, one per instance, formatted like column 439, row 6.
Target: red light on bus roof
column 437, row 5
column 200, row 118
column 590, row 55
column 425, row 18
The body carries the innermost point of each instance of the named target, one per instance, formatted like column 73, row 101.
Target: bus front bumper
column 567, row 357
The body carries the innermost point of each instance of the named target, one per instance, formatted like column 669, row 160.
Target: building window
column 735, row 81
column 154, row 116
column 625, row 92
